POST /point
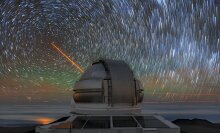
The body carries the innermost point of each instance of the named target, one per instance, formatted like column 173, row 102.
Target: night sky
column 172, row 46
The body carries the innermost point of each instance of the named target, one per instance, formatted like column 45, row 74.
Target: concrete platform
column 111, row 124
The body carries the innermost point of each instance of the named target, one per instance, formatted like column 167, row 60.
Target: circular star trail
column 172, row 46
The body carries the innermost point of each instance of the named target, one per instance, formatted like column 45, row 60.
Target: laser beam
column 68, row 58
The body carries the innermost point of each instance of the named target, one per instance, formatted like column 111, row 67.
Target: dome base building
column 107, row 99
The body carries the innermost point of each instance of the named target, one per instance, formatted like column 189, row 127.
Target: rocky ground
column 197, row 126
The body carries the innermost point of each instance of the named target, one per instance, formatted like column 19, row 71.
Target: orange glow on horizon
column 68, row 58
column 44, row 120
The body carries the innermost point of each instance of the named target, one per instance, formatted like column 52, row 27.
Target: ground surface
column 186, row 125
column 197, row 126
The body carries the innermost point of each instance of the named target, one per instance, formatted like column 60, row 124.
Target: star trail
column 172, row 46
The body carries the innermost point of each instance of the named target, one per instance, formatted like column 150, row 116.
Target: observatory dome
column 108, row 86
column 106, row 99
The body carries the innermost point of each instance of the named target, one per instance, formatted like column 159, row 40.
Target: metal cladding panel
column 88, row 84
column 88, row 97
column 95, row 71
column 123, row 86
column 88, row 91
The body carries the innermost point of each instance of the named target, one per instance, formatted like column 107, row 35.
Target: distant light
column 44, row 120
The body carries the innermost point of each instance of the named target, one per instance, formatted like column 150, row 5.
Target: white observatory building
column 107, row 99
